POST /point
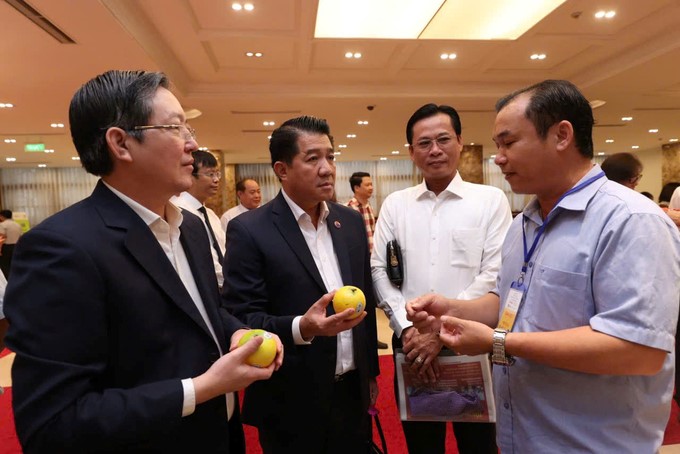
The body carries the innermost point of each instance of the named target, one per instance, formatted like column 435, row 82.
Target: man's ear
column 564, row 134
column 281, row 170
column 117, row 140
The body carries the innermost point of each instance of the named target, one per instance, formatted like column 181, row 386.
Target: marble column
column 670, row 167
column 470, row 164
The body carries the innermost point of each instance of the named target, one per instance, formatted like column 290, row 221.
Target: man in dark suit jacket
column 282, row 261
column 113, row 306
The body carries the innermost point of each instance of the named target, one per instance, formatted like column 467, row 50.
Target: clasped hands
column 431, row 314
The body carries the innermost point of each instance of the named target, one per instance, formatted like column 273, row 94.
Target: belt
column 346, row 376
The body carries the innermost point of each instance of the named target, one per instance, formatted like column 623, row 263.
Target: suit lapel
column 144, row 247
column 335, row 228
column 290, row 231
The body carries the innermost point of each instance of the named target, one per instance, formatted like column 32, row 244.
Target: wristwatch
column 498, row 356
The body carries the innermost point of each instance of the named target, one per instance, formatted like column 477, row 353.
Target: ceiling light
column 383, row 158
column 626, row 118
column 673, row 140
column 429, row 19
column 653, row 131
column 6, row 105
column 258, row 54
column 635, row 147
column 49, row 150
column 42, row 165
column 595, row 103
column 75, row 158
column 472, row 143
column 337, row 153
column 236, row 6
column 601, row 153
column 609, row 141
column 395, row 151
column 362, row 122
column 268, row 123
column 406, row 145
column 537, row 56
column 248, row 6
column 342, row 146
column 352, row 54
column 269, row 137
column 10, row 159
column 10, row 140
column 493, row 156
column 448, row 56
column 192, row 113
column 57, row 125
column 254, row 54
column 351, row 136
column 605, row 14
column 202, row 148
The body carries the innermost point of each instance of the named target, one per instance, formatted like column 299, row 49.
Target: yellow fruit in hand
column 349, row 297
column 265, row 353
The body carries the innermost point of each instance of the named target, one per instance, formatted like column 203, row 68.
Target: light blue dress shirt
column 610, row 258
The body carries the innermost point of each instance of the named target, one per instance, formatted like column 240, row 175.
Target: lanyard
column 539, row 232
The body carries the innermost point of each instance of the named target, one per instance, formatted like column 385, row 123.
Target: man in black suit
column 113, row 304
column 282, row 261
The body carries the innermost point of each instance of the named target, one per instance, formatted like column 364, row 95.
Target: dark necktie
column 212, row 234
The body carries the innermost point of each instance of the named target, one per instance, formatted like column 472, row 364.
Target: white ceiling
column 631, row 62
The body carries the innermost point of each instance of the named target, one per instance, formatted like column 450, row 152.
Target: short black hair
column 203, row 159
column 552, row 101
column 283, row 144
column 6, row 214
column 115, row 98
column 430, row 110
column 667, row 191
column 621, row 167
column 241, row 184
column 648, row 195
column 357, row 178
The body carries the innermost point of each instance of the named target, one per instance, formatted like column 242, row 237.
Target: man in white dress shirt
column 450, row 233
column 249, row 198
column 206, row 184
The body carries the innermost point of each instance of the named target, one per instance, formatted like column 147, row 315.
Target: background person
column 282, row 261
column 249, row 198
column 113, row 303
column 623, row 168
column 10, row 231
column 583, row 344
column 450, row 233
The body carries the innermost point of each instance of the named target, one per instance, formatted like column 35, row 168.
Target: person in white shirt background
column 249, row 198
column 450, row 233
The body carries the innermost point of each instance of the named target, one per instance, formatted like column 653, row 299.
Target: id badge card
column 511, row 307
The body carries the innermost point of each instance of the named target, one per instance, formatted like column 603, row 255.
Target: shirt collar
column 172, row 213
column 455, row 187
column 189, row 200
column 298, row 212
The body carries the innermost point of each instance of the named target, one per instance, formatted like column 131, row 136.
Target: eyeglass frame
column 418, row 145
column 212, row 175
column 190, row 130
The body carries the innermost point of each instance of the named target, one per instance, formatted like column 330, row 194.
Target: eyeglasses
column 211, row 175
column 426, row 144
column 186, row 131
column 636, row 178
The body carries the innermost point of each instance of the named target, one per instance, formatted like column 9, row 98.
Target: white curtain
column 42, row 192
column 388, row 176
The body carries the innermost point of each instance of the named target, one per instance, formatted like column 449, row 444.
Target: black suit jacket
column 271, row 277
column 104, row 331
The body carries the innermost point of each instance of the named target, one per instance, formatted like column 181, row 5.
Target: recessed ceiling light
column 673, row 140
column 653, row 131
column 605, row 14
column 342, row 146
column 493, row 156
column 383, row 158
column 472, row 143
column 42, row 165
column 635, row 147
column 202, row 148
column 609, row 141
column 406, row 145
column 351, row 136
column 362, row 122
column 48, row 150
column 75, row 158
column 269, row 137
column 352, row 54
column 248, row 6
column 448, row 56
column 626, row 118
column 395, row 151
column 6, row 105
column 268, row 123
column 254, row 54
column 10, row 140
column 537, row 56
column 57, row 125
column 337, row 153
column 601, row 153
column 236, row 6
column 10, row 159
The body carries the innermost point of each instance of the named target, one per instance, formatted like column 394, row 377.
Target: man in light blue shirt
column 587, row 296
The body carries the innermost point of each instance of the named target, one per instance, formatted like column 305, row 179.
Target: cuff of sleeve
column 189, row 405
column 399, row 322
column 297, row 335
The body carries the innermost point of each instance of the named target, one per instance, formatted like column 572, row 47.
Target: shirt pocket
column 556, row 299
column 465, row 249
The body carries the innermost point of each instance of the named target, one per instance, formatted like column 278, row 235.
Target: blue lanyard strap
column 539, row 232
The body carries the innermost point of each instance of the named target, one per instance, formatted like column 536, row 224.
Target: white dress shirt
column 167, row 234
column 191, row 204
column 230, row 214
column 320, row 245
column 450, row 244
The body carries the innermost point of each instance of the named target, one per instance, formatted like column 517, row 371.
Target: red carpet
column 388, row 417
